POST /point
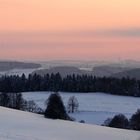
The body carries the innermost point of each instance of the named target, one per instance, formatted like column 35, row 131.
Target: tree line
column 121, row 121
column 70, row 83
column 16, row 101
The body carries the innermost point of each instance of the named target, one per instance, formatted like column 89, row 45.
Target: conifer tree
column 55, row 108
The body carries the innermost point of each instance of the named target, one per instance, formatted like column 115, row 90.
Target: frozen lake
column 94, row 108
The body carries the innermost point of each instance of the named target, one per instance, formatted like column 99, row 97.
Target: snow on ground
column 19, row 125
column 94, row 108
column 94, row 117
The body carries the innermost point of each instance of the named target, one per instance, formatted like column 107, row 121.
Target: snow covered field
column 94, row 108
column 19, row 125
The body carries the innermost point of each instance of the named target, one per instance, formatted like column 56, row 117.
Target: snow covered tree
column 55, row 108
column 72, row 105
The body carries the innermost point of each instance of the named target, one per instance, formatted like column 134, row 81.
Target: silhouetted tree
column 19, row 101
column 12, row 100
column 119, row 121
column 55, row 108
column 135, row 121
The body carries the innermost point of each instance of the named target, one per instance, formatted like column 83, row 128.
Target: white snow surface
column 94, row 108
column 19, row 125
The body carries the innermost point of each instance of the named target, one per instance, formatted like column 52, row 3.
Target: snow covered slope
column 18, row 125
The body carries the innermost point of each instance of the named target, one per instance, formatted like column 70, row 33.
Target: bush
column 55, row 108
column 135, row 121
column 119, row 121
column 82, row 121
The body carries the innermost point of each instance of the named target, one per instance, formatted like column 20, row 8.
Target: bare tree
column 72, row 105
column 31, row 106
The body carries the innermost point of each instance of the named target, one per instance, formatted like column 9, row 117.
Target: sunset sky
column 69, row 29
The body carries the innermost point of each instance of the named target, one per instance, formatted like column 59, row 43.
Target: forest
column 70, row 83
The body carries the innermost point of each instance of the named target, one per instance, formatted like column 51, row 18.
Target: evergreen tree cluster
column 70, row 83
column 16, row 101
column 12, row 100
column 121, row 121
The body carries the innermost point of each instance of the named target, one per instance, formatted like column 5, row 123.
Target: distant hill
column 97, row 68
column 124, row 64
column 133, row 73
column 67, row 70
column 90, row 64
column 107, row 70
column 114, row 68
column 63, row 70
column 7, row 65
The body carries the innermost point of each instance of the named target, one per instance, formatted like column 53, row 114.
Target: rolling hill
column 132, row 73
column 9, row 65
column 69, row 70
column 63, row 70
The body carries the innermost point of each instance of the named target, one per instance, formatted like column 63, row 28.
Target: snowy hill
column 18, row 125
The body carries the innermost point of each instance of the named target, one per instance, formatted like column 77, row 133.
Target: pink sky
column 42, row 47
column 75, row 29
